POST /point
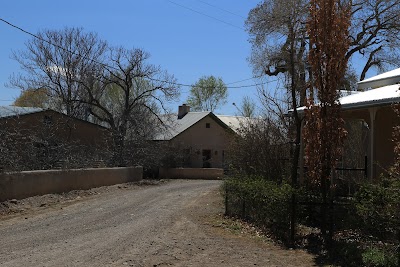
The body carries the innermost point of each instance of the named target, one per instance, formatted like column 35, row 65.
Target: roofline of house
column 359, row 105
column 215, row 117
column 54, row 111
column 372, row 103
column 28, row 113
column 78, row 119
column 378, row 83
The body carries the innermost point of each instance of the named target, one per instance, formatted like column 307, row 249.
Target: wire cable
column 203, row 14
column 256, row 77
column 227, row 11
column 111, row 67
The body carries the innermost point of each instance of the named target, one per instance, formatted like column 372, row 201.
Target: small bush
column 374, row 257
column 378, row 206
column 263, row 202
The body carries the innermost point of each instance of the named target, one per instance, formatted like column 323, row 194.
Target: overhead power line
column 245, row 80
column 227, row 11
column 111, row 67
column 203, row 14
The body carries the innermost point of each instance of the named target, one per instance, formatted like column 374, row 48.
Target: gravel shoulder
column 174, row 223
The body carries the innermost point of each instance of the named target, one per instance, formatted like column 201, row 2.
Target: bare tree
column 57, row 60
column 278, row 35
column 259, row 149
column 374, row 34
column 280, row 44
column 128, row 98
column 85, row 78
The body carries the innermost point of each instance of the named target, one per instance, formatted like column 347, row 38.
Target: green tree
column 37, row 98
column 247, row 107
column 208, row 94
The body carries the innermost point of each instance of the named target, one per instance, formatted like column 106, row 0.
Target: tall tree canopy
column 208, row 94
column 273, row 25
column 128, row 95
column 280, row 47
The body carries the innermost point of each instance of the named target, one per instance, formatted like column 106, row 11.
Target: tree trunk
column 296, row 153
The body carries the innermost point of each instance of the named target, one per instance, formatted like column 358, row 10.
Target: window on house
column 47, row 120
column 208, row 125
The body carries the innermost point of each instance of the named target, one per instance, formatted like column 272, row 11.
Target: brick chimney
column 183, row 110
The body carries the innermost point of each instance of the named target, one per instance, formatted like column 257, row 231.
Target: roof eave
column 378, row 83
column 370, row 104
column 360, row 105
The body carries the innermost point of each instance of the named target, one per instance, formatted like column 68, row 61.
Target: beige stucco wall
column 31, row 183
column 384, row 146
column 198, row 138
column 191, row 173
column 383, row 152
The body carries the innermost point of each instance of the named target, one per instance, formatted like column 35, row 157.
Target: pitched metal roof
column 382, row 96
column 234, row 122
column 9, row 111
column 175, row 126
column 386, row 95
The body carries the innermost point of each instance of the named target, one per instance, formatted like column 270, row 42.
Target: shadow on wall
column 191, row 173
column 20, row 185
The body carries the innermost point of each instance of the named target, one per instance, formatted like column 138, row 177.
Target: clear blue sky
column 188, row 38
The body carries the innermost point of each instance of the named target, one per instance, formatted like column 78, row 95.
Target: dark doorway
column 206, row 158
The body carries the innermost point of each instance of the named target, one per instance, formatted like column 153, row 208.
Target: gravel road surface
column 169, row 224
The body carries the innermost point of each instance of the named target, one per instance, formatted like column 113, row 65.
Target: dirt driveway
column 169, row 224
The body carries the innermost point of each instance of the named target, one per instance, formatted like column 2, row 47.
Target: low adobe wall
column 191, row 173
column 20, row 185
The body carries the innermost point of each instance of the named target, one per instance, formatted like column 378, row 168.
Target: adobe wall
column 64, row 128
column 191, row 173
column 20, row 185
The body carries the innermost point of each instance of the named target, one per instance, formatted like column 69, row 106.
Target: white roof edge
column 10, row 111
column 383, row 79
column 378, row 83
column 386, row 95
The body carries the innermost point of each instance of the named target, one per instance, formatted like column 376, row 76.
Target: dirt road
column 164, row 225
